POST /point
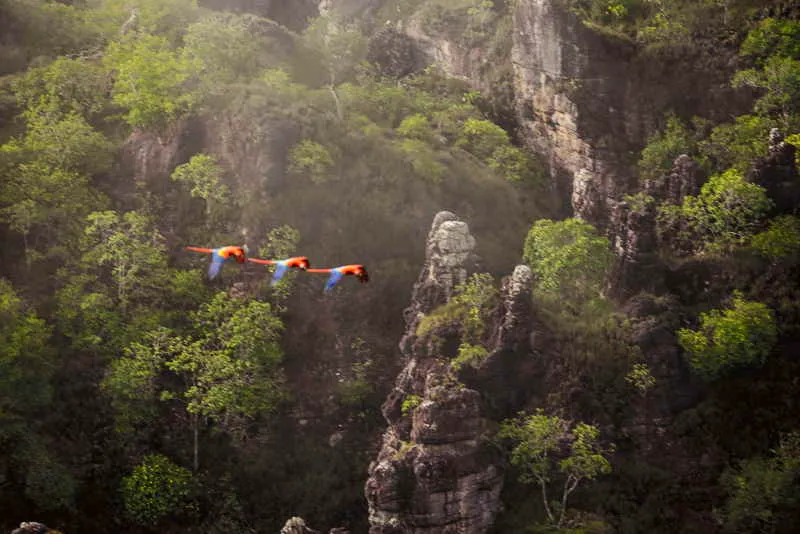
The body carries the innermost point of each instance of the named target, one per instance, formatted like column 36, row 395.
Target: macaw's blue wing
column 279, row 272
column 215, row 266
column 334, row 279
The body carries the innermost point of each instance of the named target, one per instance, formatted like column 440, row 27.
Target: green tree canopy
column 725, row 214
column 538, row 440
column 743, row 334
column 762, row 491
column 26, row 360
column 150, row 80
column 568, row 258
column 156, row 489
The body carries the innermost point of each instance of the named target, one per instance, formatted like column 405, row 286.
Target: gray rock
column 297, row 525
column 435, row 472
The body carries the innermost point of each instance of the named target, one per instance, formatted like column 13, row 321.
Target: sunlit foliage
column 156, row 488
column 742, row 334
column 537, row 442
column 568, row 258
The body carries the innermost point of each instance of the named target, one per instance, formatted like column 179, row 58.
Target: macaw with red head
column 337, row 273
column 297, row 262
column 222, row 255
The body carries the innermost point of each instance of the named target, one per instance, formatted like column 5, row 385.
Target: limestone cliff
column 436, row 471
column 587, row 101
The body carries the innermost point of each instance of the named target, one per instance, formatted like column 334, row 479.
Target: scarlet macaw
column 221, row 255
column 298, row 262
column 337, row 273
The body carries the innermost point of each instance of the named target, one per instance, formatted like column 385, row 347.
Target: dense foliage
column 135, row 393
column 134, row 390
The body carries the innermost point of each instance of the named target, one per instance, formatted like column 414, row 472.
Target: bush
column 155, row 489
column 724, row 215
column 568, row 258
column 742, row 335
column 663, row 147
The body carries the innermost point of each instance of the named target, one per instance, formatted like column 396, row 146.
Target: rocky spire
column 436, row 471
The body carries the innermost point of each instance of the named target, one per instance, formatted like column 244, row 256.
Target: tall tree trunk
column 339, row 111
column 543, row 485
column 569, row 486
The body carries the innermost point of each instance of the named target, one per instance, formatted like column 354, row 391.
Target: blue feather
column 214, row 268
column 336, row 275
column 279, row 272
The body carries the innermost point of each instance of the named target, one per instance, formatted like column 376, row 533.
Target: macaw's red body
column 222, row 255
column 336, row 274
column 297, row 262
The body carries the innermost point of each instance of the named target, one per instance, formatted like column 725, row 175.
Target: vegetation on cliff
column 133, row 393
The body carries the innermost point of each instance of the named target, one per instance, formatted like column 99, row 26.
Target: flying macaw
column 298, row 262
column 337, row 273
column 221, row 255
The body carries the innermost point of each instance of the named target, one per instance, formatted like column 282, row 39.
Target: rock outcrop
column 34, row 528
column 395, row 53
column 587, row 100
column 297, row 525
column 436, row 471
column 777, row 173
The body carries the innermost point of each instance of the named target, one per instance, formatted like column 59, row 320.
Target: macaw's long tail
column 196, row 249
column 262, row 262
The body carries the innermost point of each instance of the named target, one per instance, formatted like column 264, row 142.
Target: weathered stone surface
column 297, row 525
column 434, row 472
column 635, row 242
column 395, row 53
column 449, row 252
column 777, row 173
column 513, row 332
column 586, row 101
column 34, row 528
column 684, row 179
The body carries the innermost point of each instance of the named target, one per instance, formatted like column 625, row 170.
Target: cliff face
column 588, row 101
column 436, row 471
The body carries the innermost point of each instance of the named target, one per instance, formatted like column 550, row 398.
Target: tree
column 780, row 240
column 779, row 80
column 663, row 147
column 64, row 87
column 341, row 47
column 736, row 145
column 229, row 48
column 156, row 488
column 467, row 308
column 741, row 335
column 640, row 378
column 26, row 360
column 46, row 206
column 481, row 137
column 133, row 251
column 311, row 158
column 116, row 285
column 416, row 126
column 204, row 176
column 724, row 215
column 762, row 491
column 150, row 80
column 228, row 365
column 538, row 441
column 772, row 37
column 568, row 258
